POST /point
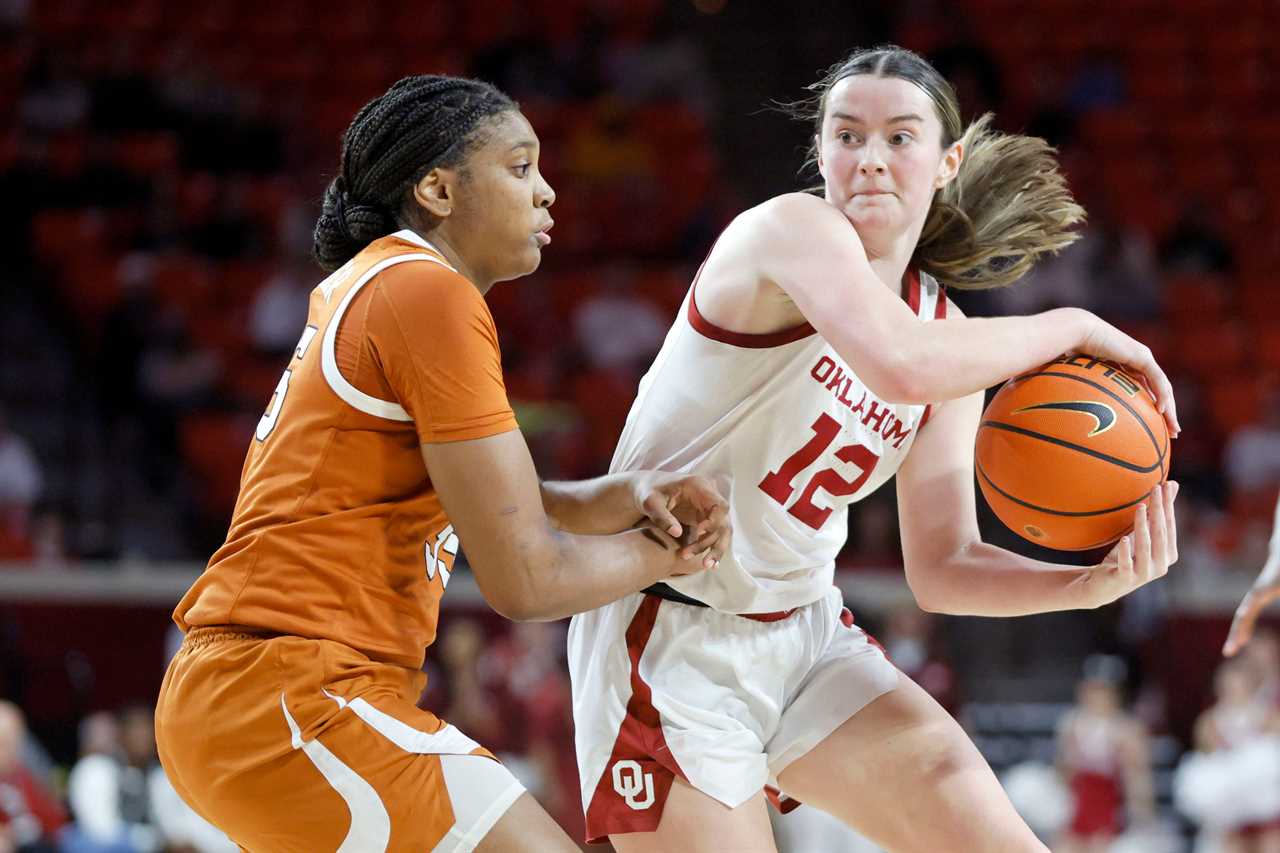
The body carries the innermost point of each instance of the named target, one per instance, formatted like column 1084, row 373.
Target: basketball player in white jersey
column 816, row 356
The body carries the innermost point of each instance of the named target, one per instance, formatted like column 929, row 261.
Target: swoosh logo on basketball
column 1104, row 415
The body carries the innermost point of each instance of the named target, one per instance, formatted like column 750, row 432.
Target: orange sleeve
column 434, row 339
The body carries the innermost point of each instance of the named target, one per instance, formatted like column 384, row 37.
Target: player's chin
column 527, row 260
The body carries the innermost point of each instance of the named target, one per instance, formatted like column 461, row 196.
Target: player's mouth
column 541, row 235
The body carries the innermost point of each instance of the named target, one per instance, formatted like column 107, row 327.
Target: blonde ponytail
column 1008, row 206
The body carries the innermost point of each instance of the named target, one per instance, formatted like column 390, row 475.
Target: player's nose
column 544, row 196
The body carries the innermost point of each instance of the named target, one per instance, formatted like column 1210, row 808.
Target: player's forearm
column 576, row 573
column 599, row 506
column 984, row 580
column 947, row 359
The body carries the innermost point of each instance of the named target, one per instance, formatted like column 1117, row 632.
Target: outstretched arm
column 687, row 507
column 809, row 250
column 951, row 570
column 525, row 568
column 1266, row 589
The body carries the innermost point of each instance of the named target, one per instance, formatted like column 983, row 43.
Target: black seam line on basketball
column 1097, row 454
column 1046, row 510
column 1160, row 452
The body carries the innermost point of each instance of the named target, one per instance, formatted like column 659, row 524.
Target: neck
column 440, row 238
column 890, row 259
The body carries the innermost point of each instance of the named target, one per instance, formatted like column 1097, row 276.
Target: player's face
column 500, row 219
column 881, row 155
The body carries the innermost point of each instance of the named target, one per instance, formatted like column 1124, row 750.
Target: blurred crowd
column 162, row 177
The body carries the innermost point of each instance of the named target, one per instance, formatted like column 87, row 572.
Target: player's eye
column 523, row 169
column 846, row 137
column 900, row 138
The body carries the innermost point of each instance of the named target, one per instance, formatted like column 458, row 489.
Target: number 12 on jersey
column 777, row 484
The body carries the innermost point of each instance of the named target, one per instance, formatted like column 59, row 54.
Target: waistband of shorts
column 669, row 593
column 204, row 635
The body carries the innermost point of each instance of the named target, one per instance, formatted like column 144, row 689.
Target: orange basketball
column 1067, row 452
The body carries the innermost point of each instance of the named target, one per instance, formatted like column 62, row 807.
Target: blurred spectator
column 1195, row 244
column 471, row 704
column 658, row 61
column 616, row 328
column 30, row 816
column 108, row 788
column 1235, row 724
column 1262, row 655
column 1253, row 452
column 21, row 481
column 1110, row 270
column 529, row 671
column 94, row 793
column 121, row 799
column 280, row 309
column 909, row 643
column 1104, row 757
column 21, row 478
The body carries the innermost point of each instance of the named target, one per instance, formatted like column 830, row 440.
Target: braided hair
column 421, row 123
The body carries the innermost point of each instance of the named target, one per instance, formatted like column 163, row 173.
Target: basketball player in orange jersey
column 288, row 717
column 1265, row 589
column 816, row 355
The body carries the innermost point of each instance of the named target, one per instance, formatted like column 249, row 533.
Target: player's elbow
column 926, row 591
column 903, row 381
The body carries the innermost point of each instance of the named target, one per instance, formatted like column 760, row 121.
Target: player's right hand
column 1142, row 555
column 1266, row 589
column 1105, row 341
column 689, row 514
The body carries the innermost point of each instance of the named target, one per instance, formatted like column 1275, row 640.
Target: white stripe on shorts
column 447, row 741
column 370, row 824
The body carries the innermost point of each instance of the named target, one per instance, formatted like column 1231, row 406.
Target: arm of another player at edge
column 948, row 566
column 812, row 253
column 526, row 569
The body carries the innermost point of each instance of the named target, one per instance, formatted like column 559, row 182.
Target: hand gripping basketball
column 1140, row 556
column 690, row 510
column 1107, row 342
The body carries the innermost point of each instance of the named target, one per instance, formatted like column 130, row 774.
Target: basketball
column 1066, row 453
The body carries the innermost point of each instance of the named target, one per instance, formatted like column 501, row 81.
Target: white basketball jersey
column 786, row 430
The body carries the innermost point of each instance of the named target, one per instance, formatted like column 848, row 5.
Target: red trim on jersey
column 640, row 741
column 707, row 329
column 913, row 290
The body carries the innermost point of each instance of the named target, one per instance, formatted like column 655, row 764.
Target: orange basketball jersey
column 337, row 533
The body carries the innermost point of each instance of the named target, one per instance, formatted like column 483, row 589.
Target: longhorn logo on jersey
column 630, row 781
column 1103, row 415
column 446, row 542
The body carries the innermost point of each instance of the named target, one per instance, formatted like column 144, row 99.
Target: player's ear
column 950, row 165
column 435, row 192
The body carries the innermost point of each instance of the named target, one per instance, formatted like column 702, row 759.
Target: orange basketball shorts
column 288, row 744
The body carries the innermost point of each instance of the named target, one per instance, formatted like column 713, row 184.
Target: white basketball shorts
column 663, row 689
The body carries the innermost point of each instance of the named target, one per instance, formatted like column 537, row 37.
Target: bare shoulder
column 793, row 212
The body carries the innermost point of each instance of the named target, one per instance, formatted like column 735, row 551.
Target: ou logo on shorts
column 630, row 782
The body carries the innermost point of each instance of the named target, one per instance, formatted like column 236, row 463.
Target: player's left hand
column 687, row 507
column 1266, row 589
